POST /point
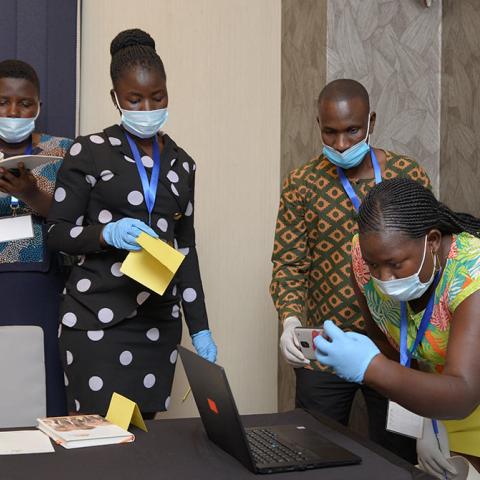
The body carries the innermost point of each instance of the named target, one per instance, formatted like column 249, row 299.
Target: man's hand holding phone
column 289, row 344
column 305, row 337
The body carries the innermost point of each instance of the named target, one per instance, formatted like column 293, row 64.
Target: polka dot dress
column 116, row 335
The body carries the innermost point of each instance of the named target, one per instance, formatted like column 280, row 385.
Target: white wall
column 222, row 59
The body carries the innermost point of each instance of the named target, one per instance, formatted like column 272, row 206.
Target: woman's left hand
column 433, row 451
column 21, row 186
column 204, row 345
column 348, row 353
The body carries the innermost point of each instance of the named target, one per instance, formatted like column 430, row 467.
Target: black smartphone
column 14, row 171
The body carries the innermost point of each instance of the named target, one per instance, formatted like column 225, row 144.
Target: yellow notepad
column 155, row 265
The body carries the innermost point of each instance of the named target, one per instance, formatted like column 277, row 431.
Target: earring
column 438, row 267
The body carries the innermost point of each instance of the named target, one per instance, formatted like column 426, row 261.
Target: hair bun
column 130, row 38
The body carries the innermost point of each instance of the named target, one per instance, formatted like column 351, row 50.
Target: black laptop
column 261, row 449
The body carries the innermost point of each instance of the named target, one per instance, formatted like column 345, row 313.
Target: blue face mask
column 15, row 130
column 143, row 123
column 407, row 288
column 351, row 157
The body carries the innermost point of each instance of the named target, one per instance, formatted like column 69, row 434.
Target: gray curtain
column 44, row 34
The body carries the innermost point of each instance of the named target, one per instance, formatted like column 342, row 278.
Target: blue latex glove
column 348, row 353
column 123, row 233
column 204, row 345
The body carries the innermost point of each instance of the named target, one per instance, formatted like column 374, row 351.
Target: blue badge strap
column 347, row 186
column 376, row 166
column 149, row 188
column 405, row 354
column 14, row 202
column 29, row 149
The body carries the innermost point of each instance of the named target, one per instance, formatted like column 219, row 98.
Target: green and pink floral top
column 460, row 278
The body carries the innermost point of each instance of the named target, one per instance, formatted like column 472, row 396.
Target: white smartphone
column 305, row 337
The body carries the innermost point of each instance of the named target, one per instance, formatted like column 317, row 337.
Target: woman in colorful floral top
column 30, row 278
column 413, row 254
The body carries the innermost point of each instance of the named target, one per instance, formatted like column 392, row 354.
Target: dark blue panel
column 61, row 66
column 8, row 29
column 44, row 34
column 32, row 48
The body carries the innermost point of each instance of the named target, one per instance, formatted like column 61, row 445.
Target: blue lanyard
column 14, row 202
column 347, row 186
column 149, row 189
column 405, row 354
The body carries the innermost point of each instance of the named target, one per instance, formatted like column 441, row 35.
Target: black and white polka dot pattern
column 60, row 194
column 137, row 360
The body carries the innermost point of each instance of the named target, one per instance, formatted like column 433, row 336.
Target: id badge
column 403, row 421
column 16, row 228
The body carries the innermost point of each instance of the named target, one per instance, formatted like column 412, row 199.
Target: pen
column 435, row 430
column 187, row 393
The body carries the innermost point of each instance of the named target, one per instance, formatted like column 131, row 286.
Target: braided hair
column 406, row 206
column 18, row 69
column 131, row 48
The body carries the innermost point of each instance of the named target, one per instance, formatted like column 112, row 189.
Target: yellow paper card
column 123, row 412
column 155, row 265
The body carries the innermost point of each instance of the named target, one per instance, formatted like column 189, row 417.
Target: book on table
column 83, row 431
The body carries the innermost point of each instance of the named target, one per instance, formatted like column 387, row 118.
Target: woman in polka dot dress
column 117, row 336
column 30, row 278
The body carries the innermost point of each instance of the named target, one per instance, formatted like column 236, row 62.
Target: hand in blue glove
column 348, row 353
column 204, row 345
column 123, row 233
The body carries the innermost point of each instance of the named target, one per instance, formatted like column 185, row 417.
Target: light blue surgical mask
column 15, row 130
column 407, row 288
column 143, row 123
column 351, row 157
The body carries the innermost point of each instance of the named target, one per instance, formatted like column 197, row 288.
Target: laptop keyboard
column 267, row 449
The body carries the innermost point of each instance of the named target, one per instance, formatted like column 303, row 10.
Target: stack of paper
column 24, row 441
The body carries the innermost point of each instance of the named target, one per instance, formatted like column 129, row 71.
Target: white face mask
column 407, row 288
column 143, row 123
column 15, row 130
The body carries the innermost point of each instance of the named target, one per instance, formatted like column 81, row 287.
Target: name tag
column 16, row 228
column 403, row 421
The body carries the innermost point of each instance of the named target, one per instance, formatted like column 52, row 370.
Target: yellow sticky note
column 155, row 265
column 123, row 412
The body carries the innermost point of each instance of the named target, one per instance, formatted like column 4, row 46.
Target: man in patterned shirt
column 311, row 254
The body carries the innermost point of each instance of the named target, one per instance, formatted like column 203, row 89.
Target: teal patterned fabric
column 32, row 251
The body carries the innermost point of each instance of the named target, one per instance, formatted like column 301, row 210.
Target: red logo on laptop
column 212, row 405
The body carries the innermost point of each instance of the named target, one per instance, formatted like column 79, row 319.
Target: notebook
column 30, row 162
column 260, row 449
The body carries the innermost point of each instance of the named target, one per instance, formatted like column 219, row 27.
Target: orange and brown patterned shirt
column 312, row 250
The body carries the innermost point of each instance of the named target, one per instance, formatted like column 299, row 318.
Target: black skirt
column 135, row 358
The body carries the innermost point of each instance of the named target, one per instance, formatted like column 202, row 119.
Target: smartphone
column 14, row 171
column 305, row 337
